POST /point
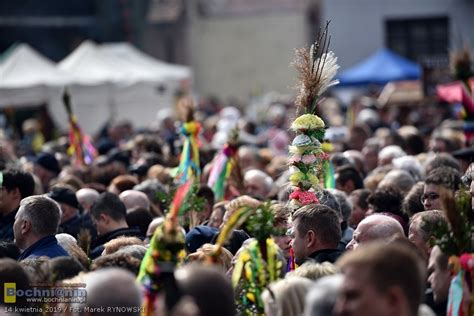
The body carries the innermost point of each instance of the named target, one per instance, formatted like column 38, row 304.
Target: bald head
column 258, row 184
column 153, row 225
column 113, row 287
column 87, row 197
column 134, row 198
column 248, row 157
column 375, row 227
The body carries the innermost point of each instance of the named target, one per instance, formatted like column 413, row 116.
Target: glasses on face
column 466, row 180
column 429, row 196
column 291, row 233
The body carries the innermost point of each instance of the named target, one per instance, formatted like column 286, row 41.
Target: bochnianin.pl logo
column 70, row 293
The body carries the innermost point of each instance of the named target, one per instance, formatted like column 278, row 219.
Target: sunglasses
column 466, row 180
column 429, row 196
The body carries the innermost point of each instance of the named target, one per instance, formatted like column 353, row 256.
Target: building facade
column 422, row 30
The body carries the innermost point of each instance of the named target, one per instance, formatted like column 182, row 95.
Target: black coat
column 98, row 246
column 326, row 255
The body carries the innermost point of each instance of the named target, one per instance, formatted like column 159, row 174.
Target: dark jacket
column 438, row 308
column 346, row 238
column 98, row 246
column 6, row 226
column 47, row 246
column 329, row 255
column 75, row 224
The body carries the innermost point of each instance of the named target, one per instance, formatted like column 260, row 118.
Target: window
column 418, row 39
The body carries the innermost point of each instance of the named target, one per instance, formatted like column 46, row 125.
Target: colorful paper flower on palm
column 304, row 197
column 317, row 68
column 304, row 181
column 307, row 122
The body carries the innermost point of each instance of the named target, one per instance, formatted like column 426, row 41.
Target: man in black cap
column 15, row 186
column 465, row 157
column 71, row 220
column 198, row 236
column 46, row 167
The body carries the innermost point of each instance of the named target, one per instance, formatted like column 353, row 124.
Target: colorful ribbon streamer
column 80, row 144
column 189, row 160
column 456, row 295
column 329, row 178
column 221, row 171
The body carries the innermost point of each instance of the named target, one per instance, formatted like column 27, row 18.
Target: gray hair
column 328, row 199
column 65, row 240
column 268, row 181
column 322, row 297
column 151, row 187
column 391, row 152
column 286, row 296
column 400, row 179
column 136, row 251
column 409, row 164
column 344, row 204
column 87, row 195
column 43, row 213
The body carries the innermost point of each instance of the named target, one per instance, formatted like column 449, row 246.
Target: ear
column 104, row 218
column 25, row 226
column 395, row 297
column 311, row 238
column 17, row 194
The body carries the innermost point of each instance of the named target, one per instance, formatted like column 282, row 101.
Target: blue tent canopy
column 380, row 68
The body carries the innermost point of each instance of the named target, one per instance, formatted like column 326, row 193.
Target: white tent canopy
column 110, row 81
column 159, row 69
column 27, row 78
column 137, row 85
column 89, row 65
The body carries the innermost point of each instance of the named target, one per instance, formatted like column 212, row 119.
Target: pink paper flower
column 295, row 195
column 308, row 159
column 295, row 158
column 307, row 197
column 322, row 155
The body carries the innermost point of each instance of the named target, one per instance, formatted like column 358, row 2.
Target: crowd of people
column 367, row 248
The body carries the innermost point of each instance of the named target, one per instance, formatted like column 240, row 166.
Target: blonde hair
column 224, row 259
column 237, row 203
column 286, row 297
column 114, row 245
column 313, row 270
column 372, row 181
column 160, row 173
